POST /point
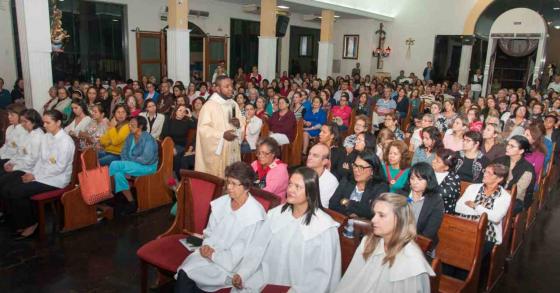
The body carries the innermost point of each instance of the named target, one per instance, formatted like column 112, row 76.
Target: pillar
column 465, row 64
column 178, row 41
column 267, row 40
column 35, row 49
column 325, row 58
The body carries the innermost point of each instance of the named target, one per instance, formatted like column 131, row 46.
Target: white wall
column 8, row 69
column 365, row 28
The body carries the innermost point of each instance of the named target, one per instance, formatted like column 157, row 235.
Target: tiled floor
column 103, row 258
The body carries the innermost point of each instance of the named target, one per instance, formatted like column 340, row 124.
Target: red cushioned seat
column 165, row 253
column 49, row 195
column 267, row 289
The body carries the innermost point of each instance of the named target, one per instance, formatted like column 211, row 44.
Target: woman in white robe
column 234, row 220
column 389, row 260
column 298, row 246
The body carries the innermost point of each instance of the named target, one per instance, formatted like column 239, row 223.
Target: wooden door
column 215, row 51
column 151, row 54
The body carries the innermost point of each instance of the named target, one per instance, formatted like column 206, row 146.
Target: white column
column 465, row 64
column 490, row 52
column 539, row 61
column 325, row 60
column 35, row 49
column 267, row 57
column 178, row 55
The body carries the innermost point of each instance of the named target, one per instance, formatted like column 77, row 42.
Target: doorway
column 151, row 54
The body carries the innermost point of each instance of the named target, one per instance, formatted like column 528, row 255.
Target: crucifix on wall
column 381, row 53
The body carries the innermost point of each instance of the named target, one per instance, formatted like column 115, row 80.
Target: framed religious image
column 305, row 45
column 350, row 48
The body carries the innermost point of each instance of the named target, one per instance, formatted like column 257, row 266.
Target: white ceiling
column 346, row 9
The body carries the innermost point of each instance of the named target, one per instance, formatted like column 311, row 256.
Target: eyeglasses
column 231, row 183
column 262, row 154
column 360, row 167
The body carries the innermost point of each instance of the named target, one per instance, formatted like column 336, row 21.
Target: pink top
column 276, row 179
column 343, row 113
column 452, row 143
column 536, row 158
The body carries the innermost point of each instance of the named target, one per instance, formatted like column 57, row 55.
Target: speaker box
column 282, row 22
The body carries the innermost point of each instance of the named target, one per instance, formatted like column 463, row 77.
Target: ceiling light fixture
column 557, row 27
column 336, row 16
column 556, row 8
column 283, row 7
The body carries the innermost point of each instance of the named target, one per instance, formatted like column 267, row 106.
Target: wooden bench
column 518, row 228
column 460, row 245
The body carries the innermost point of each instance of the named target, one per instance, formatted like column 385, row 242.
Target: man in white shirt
column 318, row 160
column 343, row 88
column 555, row 85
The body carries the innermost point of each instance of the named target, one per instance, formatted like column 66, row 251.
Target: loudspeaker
column 282, row 25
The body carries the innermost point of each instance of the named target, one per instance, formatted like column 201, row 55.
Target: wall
column 8, row 69
column 365, row 28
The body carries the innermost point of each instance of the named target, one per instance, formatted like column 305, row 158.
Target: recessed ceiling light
column 556, row 8
column 114, row 19
column 549, row 22
column 557, row 27
column 283, row 7
column 336, row 16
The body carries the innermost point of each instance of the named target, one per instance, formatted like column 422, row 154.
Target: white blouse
column 409, row 273
column 56, row 156
column 28, row 151
column 13, row 139
column 305, row 258
column 154, row 129
column 75, row 129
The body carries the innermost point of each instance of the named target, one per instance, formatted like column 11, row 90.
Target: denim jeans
column 105, row 158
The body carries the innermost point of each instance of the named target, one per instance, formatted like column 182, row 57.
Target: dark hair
column 371, row 158
column 243, row 96
column 517, row 109
column 500, row 171
column 33, row 116
column 448, row 157
column 284, row 99
column 100, row 108
column 523, row 143
column 242, row 172
column 118, row 106
column 146, row 102
column 335, row 131
column 15, row 109
column 425, row 171
column 434, row 135
column 272, row 144
column 369, row 139
column 54, row 115
column 64, row 89
column 220, row 78
column 142, row 122
column 196, row 99
column 82, row 104
column 476, row 137
column 311, row 182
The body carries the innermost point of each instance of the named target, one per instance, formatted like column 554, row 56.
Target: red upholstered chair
column 52, row 198
column 267, row 199
column 195, row 193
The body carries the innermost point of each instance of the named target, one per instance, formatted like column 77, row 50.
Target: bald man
column 318, row 160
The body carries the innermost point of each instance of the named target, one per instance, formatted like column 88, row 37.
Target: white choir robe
column 28, row 151
column 409, row 273
column 228, row 232
column 305, row 258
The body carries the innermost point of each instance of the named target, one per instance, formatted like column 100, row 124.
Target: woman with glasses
column 272, row 173
column 471, row 162
column 233, row 225
column 397, row 164
column 354, row 196
column 521, row 173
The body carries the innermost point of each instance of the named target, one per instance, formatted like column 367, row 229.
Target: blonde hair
column 403, row 232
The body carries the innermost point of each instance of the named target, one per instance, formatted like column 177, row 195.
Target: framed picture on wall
column 351, row 45
column 305, row 45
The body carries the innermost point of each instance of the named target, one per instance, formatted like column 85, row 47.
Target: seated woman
column 473, row 115
column 27, row 153
column 388, row 259
column 272, row 173
column 14, row 133
column 488, row 197
column 62, row 103
column 521, row 173
column 363, row 105
column 397, row 163
column 283, row 123
column 111, row 143
column 139, row 157
column 79, row 119
column 402, row 104
column 197, row 106
column 439, row 120
column 177, row 127
column 392, row 123
column 354, row 196
column 298, row 245
column 252, row 131
column 449, row 181
column 517, row 123
column 453, row 138
column 416, row 137
column 426, row 203
column 361, row 125
column 472, row 162
column 384, row 137
column 342, row 112
column 297, row 106
column 492, row 146
column 449, row 112
column 155, row 119
column 538, row 154
column 260, row 105
column 52, row 171
column 95, row 129
column 132, row 106
column 235, row 221
column 313, row 120
column 431, row 142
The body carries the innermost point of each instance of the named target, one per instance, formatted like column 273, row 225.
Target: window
column 305, row 45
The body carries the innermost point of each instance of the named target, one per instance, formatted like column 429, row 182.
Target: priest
column 218, row 131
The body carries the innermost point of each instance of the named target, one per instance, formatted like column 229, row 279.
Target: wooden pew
column 464, row 186
column 500, row 252
column 152, row 190
column 460, row 245
column 534, row 208
column 518, row 228
column 406, row 120
column 292, row 156
column 547, row 179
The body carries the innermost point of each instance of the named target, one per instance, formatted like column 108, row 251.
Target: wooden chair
column 547, row 179
column 500, row 252
column 52, row 198
column 267, row 199
column 406, row 120
column 165, row 252
column 518, row 228
column 152, row 190
column 78, row 214
column 291, row 154
column 460, row 245
column 534, row 208
column 464, row 185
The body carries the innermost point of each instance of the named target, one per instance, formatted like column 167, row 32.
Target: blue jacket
column 145, row 151
column 155, row 97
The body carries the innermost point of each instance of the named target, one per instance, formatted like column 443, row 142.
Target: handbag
column 95, row 184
